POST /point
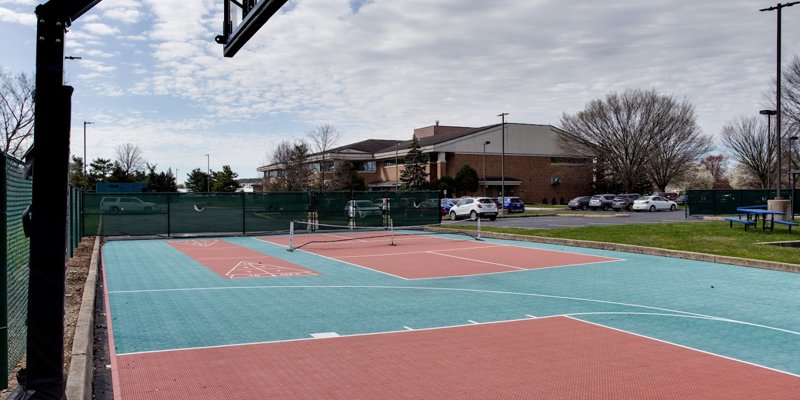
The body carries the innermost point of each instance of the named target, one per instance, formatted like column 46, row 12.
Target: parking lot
column 569, row 219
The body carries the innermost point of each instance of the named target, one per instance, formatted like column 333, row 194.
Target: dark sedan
column 581, row 202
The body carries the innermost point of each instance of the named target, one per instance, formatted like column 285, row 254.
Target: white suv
column 127, row 204
column 474, row 207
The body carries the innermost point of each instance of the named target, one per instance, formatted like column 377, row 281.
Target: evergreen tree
column 225, row 181
column 197, row 181
column 160, row 182
column 467, row 180
column 99, row 171
column 76, row 176
column 413, row 176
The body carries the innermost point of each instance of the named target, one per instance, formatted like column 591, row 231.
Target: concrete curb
column 81, row 368
column 743, row 262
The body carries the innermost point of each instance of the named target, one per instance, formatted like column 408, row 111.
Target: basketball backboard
column 238, row 28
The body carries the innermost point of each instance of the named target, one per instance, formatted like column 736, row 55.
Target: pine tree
column 414, row 175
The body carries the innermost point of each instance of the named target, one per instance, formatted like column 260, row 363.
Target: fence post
column 169, row 215
column 244, row 227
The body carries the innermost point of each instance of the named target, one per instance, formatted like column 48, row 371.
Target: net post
column 391, row 232
column 478, row 237
column 291, row 236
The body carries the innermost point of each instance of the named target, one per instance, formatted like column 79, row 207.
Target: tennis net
column 304, row 233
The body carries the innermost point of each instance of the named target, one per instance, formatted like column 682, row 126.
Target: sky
column 152, row 75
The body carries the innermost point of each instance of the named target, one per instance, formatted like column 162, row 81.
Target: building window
column 365, row 166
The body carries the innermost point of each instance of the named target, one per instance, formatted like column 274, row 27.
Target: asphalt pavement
column 569, row 219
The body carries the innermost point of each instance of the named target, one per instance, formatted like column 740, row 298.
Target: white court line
column 472, row 322
column 531, row 316
column 401, row 253
column 477, row 261
column 686, row 347
column 548, row 296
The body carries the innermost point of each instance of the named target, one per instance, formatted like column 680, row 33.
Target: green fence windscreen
column 171, row 214
column 15, row 197
column 720, row 202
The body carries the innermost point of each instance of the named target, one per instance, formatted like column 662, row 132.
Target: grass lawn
column 713, row 237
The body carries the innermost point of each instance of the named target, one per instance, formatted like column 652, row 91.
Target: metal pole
column 503, row 162
column 208, row 173
column 484, row 166
column 396, row 169
column 84, row 146
column 778, row 8
column 769, row 114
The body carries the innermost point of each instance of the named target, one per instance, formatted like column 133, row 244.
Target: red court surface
column 232, row 261
column 548, row 358
column 423, row 257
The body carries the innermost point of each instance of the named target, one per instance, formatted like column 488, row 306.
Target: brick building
column 535, row 168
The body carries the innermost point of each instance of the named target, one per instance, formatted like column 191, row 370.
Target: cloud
column 15, row 17
column 100, row 29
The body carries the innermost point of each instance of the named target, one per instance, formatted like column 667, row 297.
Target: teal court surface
column 434, row 317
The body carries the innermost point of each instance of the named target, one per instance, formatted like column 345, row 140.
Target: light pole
column 84, row 145
column 503, row 161
column 396, row 168
column 484, row 166
column 769, row 114
column 778, row 8
column 208, row 173
column 792, row 172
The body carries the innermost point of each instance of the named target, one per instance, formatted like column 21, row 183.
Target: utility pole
column 503, row 162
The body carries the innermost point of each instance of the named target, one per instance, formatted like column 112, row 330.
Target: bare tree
column 747, row 140
column 129, row 158
column 642, row 138
column 16, row 110
column 717, row 167
column 322, row 140
column 291, row 159
column 790, row 100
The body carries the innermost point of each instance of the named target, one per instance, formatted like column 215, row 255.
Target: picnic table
column 754, row 213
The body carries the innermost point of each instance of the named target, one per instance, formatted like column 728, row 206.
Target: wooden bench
column 790, row 224
column 747, row 223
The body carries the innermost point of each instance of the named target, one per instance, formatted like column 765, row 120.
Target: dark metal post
column 769, row 114
column 45, row 348
column 778, row 8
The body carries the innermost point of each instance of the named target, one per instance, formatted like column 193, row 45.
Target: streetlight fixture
column 84, row 145
column 484, row 166
column 778, row 8
column 769, row 114
column 208, row 173
column 503, row 162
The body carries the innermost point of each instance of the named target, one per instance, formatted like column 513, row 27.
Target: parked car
column 624, row 201
column 127, row 204
column 513, row 204
column 362, row 209
column 473, row 208
column 581, row 202
column 601, row 201
column 681, row 200
column 446, row 204
column 653, row 203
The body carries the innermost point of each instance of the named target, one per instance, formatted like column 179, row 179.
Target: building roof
column 365, row 146
column 436, row 139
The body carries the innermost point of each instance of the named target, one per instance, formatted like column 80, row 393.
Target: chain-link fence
column 720, row 202
column 15, row 197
